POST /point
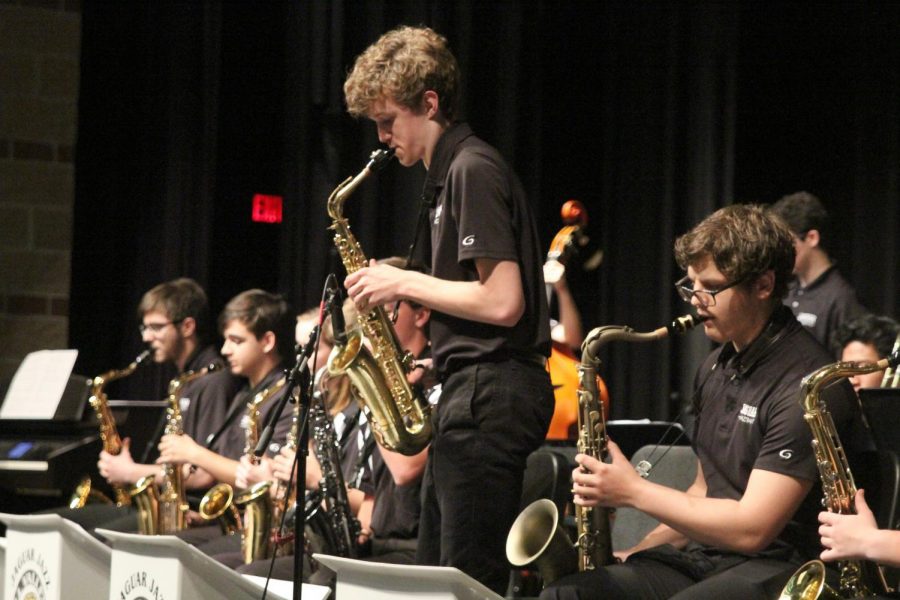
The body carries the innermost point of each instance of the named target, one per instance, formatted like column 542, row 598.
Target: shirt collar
column 741, row 363
column 443, row 154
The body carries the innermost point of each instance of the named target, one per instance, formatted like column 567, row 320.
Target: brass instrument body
column 256, row 502
column 535, row 537
column 145, row 498
column 109, row 435
column 857, row 578
column 217, row 504
column 172, row 504
column 891, row 377
column 399, row 416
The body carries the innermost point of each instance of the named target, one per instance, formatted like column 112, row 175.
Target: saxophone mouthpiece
column 379, row 158
column 685, row 323
column 142, row 356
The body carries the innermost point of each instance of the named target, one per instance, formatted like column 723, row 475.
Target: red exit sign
column 266, row 209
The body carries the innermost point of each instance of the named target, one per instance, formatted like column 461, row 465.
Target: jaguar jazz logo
column 30, row 576
column 140, row 586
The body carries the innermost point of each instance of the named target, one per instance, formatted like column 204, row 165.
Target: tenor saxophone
column 109, row 435
column 858, row 579
column 399, row 416
column 536, row 536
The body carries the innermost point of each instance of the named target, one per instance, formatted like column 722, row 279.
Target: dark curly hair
column 877, row 330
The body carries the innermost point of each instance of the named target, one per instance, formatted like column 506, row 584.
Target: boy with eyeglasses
column 749, row 518
column 174, row 322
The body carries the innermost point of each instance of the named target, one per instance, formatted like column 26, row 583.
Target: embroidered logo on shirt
column 183, row 403
column 807, row 319
column 747, row 414
column 786, row 454
column 437, row 214
column 468, row 240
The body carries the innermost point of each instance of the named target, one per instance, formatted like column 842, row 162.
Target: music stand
column 173, row 569
column 365, row 580
column 881, row 407
column 53, row 559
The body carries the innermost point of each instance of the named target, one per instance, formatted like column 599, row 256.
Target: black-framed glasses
column 706, row 298
column 155, row 328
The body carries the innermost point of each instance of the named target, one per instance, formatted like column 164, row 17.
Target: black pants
column 491, row 416
column 696, row 574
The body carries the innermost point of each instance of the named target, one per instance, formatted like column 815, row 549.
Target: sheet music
column 38, row 385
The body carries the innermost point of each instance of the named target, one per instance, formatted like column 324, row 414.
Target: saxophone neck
column 336, row 200
column 812, row 385
column 97, row 383
column 599, row 337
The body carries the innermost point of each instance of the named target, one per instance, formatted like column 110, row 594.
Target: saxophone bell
column 218, row 505
column 808, row 583
column 537, row 537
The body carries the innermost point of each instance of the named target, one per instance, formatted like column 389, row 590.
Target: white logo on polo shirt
column 437, row 214
column 747, row 414
column 807, row 319
column 468, row 240
column 786, row 454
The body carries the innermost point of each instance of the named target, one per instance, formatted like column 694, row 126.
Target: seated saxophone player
column 389, row 482
column 749, row 518
column 174, row 322
column 867, row 338
column 257, row 327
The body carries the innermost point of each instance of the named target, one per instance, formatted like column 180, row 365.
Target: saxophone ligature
column 398, row 414
column 109, row 435
column 858, row 578
column 536, row 535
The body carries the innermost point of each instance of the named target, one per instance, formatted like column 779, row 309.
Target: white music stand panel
column 179, row 571
column 2, row 565
column 54, row 559
column 364, row 580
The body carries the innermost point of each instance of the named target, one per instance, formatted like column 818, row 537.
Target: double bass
column 568, row 242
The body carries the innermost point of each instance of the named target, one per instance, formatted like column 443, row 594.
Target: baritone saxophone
column 536, row 535
column 399, row 416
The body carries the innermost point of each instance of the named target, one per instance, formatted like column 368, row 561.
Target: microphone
column 336, row 306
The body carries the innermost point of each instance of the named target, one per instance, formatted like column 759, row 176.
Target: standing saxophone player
column 748, row 519
column 489, row 325
column 258, row 331
column 175, row 324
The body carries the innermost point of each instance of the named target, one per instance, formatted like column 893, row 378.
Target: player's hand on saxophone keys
column 117, row 468
column 847, row 536
column 611, row 484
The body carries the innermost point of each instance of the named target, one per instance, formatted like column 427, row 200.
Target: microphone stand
column 297, row 375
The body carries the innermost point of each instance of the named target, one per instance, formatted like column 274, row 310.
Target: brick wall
column 39, row 72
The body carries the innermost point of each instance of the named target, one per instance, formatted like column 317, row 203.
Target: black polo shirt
column 750, row 417
column 481, row 211
column 204, row 401
column 234, row 438
column 824, row 304
column 397, row 507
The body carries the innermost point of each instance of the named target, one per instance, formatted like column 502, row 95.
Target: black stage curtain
column 652, row 114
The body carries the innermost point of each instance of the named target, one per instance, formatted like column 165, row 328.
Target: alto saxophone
column 344, row 526
column 399, row 416
column 858, row 578
column 172, row 505
column 536, row 536
column 256, row 501
column 109, row 435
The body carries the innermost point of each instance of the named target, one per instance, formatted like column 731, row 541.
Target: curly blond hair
column 402, row 65
column 744, row 241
